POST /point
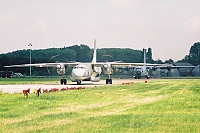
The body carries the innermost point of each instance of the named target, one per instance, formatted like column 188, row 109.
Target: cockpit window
column 79, row 67
column 138, row 69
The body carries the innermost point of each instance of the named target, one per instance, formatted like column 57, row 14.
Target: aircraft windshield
column 79, row 67
column 138, row 69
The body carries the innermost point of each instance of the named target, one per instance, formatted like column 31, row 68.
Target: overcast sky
column 169, row 27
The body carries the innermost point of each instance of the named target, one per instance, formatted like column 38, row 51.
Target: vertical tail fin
column 94, row 60
column 144, row 57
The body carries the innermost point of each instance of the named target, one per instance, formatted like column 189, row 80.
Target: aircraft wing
column 174, row 67
column 120, row 64
column 134, row 65
column 45, row 64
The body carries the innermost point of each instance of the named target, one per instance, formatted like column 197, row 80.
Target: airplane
column 140, row 71
column 88, row 71
column 91, row 71
column 143, row 70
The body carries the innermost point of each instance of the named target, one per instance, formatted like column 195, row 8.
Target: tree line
column 83, row 53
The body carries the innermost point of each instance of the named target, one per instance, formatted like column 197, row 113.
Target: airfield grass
column 30, row 80
column 155, row 106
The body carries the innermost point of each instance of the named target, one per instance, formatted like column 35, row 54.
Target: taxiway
column 19, row 88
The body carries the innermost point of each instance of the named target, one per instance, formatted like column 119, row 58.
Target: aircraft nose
column 78, row 73
column 138, row 73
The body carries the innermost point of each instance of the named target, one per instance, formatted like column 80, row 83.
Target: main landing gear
column 109, row 80
column 63, row 81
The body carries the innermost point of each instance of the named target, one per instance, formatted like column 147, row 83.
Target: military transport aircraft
column 90, row 71
column 143, row 70
column 140, row 70
column 84, row 71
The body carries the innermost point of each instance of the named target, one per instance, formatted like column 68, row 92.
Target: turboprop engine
column 61, row 69
column 107, row 69
column 154, row 68
column 169, row 68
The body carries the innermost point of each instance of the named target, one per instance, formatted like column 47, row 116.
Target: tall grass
column 156, row 106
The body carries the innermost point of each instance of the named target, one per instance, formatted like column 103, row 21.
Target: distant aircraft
column 90, row 71
column 143, row 70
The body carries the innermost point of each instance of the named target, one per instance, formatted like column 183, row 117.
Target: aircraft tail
column 94, row 60
column 144, row 57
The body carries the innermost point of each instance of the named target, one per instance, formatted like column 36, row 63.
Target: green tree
column 158, row 61
column 82, row 52
column 169, row 61
column 149, row 56
column 194, row 55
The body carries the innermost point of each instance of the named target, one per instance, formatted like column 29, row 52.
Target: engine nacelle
column 61, row 69
column 95, row 77
column 114, row 68
column 154, row 68
column 127, row 68
column 107, row 69
column 169, row 68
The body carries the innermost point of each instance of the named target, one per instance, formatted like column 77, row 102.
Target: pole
column 199, row 57
column 30, row 45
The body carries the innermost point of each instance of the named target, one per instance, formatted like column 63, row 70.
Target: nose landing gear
column 79, row 82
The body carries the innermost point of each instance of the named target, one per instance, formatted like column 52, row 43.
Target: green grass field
column 156, row 106
column 33, row 80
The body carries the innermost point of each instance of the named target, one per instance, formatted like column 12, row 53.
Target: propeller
column 56, row 59
column 107, row 58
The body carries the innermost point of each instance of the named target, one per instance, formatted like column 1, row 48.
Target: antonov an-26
column 89, row 71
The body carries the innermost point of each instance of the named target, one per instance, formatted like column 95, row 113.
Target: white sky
column 169, row 27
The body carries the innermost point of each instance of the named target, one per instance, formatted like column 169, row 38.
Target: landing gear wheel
column 63, row 81
column 108, row 81
column 78, row 82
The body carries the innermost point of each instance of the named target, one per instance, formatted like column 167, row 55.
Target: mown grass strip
column 156, row 106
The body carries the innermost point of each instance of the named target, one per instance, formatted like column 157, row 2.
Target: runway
column 19, row 88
